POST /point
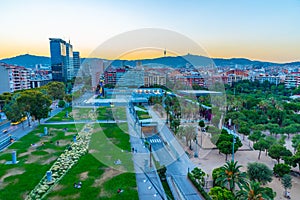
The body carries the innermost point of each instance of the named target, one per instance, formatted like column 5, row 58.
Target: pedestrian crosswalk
column 155, row 141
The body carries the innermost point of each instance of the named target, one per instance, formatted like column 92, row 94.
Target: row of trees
column 34, row 103
column 231, row 183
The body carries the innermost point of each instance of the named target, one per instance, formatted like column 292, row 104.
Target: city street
column 20, row 130
column 148, row 182
column 174, row 158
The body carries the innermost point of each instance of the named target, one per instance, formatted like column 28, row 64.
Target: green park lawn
column 61, row 116
column 103, row 113
column 111, row 113
column 99, row 176
column 18, row 180
column 73, row 114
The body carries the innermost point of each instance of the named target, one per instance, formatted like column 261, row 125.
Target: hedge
column 199, row 187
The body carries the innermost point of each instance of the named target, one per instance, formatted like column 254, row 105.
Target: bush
column 61, row 103
column 215, row 174
column 199, row 187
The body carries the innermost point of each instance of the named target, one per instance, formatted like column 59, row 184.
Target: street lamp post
column 233, row 142
column 196, row 150
column 150, row 150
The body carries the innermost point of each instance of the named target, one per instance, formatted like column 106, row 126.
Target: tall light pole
column 196, row 150
column 233, row 142
column 150, row 150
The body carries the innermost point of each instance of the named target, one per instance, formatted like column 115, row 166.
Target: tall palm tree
column 263, row 105
column 252, row 191
column 230, row 176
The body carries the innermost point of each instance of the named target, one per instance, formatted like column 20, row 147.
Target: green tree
column 13, row 111
column 225, row 147
column 215, row 174
column 201, row 125
column 278, row 151
column 5, row 98
column 259, row 172
column 290, row 129
column 296, row 159
column 230, row 176
column 270, row 193
column 40, row 106
column 273, row 128
column 261, row 145
column 56, row 90
column 286, row 182
column 282, row 139
column 68, row 98
column 24, row 100
column 244, row 130
column 256, row 135
column 258, row 127
column 252, row 191
column 189, row 133
column 35, row 104
column 281, row 169
column 61, row 103
column 224, row 141
column 295, row 142
column 219, row 193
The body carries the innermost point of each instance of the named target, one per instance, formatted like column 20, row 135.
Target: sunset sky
column 255, row 29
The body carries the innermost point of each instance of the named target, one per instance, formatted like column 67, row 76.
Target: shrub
column 199, row 187
column 61, row 103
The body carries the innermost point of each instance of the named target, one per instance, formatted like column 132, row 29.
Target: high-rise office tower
column 76, row 62
column 69, row 61
column 58, row 59
column 61, row 60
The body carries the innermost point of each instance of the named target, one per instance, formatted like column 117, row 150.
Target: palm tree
column 263, row 105
column 230, row 176
column 252, row 191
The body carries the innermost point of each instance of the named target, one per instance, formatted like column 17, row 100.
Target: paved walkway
column 175, row 159
column 148, row 182
column 86, row 122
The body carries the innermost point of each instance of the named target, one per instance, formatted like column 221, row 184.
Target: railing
column 6, row 142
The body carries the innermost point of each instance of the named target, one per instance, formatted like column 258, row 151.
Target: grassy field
column 99, row 176
column 111, row 113
column 21, row 178
column 103, row 113
column 109, row 143
column 73, row 113
column 61, row 116
column 98, row 182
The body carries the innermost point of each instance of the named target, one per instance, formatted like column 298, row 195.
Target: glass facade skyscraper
column 61, row 60
column 69, row 61
column 76, row 62
column 58, row 59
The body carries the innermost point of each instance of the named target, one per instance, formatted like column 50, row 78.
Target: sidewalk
column 148, row 182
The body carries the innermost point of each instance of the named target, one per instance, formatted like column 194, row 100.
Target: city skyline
column 255, row 30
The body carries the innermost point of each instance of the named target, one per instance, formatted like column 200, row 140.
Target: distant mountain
column 197, row 60
column 30, row 61
column 27, row 60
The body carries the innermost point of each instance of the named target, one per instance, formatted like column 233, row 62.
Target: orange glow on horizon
column 259, row 54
